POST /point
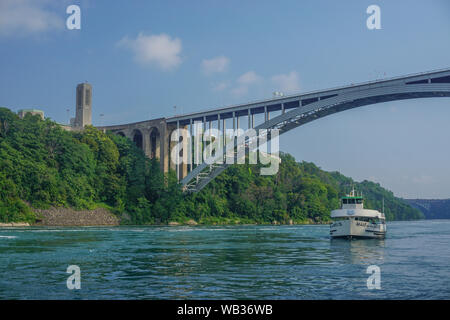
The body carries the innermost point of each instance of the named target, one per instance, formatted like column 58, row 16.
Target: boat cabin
column 350, row 202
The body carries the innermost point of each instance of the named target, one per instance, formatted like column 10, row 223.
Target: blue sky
column 145, row 57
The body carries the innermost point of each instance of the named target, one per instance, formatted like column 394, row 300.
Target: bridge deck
column 274, row 104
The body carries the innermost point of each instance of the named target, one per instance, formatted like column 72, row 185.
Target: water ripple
column 224, row 262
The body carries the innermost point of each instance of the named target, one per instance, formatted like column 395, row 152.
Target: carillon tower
column 83, row 115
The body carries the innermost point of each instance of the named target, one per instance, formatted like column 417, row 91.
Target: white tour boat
column 353, row 221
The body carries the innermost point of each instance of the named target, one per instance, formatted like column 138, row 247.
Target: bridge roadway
column 283, row 113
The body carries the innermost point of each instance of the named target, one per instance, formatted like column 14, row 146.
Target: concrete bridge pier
column 183, row 152
column 151, row 136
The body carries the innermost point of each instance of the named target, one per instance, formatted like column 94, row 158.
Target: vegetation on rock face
column 42, row 166
column 298, row 193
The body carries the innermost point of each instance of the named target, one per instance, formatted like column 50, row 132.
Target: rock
column 173, row 223
column 191, row 222
column 274, row 222
column 71, row 217
column 291, row 222
column 15, row 224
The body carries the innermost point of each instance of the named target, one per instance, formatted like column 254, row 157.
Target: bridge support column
column 202, row 141
column 177, row 166
column 164, row 157
column 190, row 146
column 157, row 146
column 146, row 143
column 168, row 163
column 224, row 137
column 183, row 167
column 181, row 151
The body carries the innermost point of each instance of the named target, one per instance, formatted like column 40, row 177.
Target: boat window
column 359, row 201
column 351, row 201
column 344, row 201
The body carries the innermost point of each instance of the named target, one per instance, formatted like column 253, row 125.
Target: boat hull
column 352, row 228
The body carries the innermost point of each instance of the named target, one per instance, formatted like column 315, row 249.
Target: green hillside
column 42, row 166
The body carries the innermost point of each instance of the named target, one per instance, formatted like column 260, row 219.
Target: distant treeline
column 42, row 165
column 432, row 209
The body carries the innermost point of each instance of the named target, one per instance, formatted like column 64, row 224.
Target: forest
column 43, row 166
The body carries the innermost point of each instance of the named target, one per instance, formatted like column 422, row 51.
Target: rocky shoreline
column 70, row 217
column 14, row 224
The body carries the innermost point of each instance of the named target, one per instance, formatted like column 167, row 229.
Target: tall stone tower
column 83, row 115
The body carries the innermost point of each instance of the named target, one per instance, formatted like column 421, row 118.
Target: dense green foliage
column 298, row 193
column 42, row 165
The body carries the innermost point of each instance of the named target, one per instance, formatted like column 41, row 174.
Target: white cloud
column 160, row 50
column 244, row 82
column 249, row 78
column 287, row 83
column 24, row 17
column 215, row 65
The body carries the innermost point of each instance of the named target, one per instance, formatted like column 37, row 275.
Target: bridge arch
column 288, row 112
column 155, row 143
column 120, row 133
column 138, row 138
column 346, row 99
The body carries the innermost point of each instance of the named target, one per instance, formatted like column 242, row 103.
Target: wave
column 8, row 237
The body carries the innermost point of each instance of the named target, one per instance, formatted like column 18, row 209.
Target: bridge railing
column 313, row 92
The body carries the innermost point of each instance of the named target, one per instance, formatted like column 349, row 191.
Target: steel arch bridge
column 300, row 109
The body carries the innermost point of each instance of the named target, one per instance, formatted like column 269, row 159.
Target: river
column 224, row 262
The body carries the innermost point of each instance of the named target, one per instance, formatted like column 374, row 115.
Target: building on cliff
column 21, row 113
